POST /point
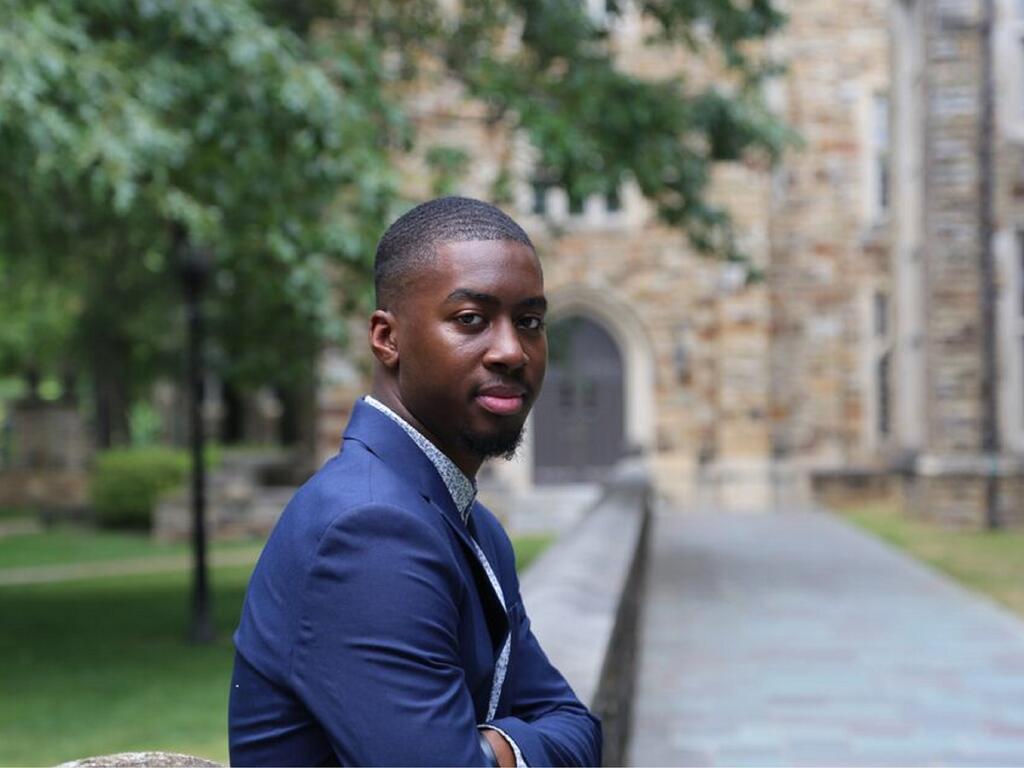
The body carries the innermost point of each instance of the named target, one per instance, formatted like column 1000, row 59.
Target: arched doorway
column 578, row 420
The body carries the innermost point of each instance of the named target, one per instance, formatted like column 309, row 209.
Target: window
column 1017, row 25
column 1020, row 80
column 882, row 381
column 550, row 199
column 880, row 153
column 878, row 367
column 539, row 204
column 1020, row 270
column 1019, row 324
column 881, row 312
column 612, row 201
column 575, row 204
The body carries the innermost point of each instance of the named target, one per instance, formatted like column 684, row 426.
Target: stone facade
column 825, row 230
column 729, row 386
column 958, row 256
column 50, row 454
column 864, row 350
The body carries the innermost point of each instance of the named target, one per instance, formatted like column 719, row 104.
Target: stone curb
column 583, row 596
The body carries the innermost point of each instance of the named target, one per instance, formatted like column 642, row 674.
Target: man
column 383, row 623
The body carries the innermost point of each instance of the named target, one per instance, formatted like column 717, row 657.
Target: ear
column 384, row 338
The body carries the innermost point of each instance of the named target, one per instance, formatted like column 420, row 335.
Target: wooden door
column 579, row 417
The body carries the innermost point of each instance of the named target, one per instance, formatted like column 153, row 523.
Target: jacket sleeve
column 548, row 722
column 376, row 657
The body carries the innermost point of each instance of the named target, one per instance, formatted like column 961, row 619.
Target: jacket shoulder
column 353, row 497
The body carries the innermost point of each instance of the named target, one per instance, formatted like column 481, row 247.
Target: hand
column 502, row 750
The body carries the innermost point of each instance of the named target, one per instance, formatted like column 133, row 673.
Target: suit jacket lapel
column 390, row 444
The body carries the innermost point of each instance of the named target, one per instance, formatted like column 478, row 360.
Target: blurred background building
column 872, row 342
column 878, row 346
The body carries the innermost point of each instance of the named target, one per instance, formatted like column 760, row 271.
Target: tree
column 595, row 124
column 119, row 121
column 267, row 129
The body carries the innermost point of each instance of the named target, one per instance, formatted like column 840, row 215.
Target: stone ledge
column 970, row 464
column 584, row 596
column 55, row 490
column 142, row 760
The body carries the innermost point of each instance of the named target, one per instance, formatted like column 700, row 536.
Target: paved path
column 797, row 640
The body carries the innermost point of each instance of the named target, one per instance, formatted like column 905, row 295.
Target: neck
column 468, row 463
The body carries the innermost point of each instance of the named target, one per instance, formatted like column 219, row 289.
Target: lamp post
column 194, row 266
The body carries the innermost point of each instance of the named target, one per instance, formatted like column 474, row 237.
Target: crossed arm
column 377, row 658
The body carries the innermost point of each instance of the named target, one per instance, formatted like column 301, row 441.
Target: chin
column 488, row 445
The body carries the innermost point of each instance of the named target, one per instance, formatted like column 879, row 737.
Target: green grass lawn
column 100, row 666
column 529, row 547
column 991, row 562
column 64, row 546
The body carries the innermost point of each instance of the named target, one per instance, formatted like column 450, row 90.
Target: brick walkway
column 797, row 640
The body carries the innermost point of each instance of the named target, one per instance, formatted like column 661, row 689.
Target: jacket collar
column 389, row 442
column 460, row 487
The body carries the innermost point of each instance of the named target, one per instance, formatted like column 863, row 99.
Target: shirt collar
column 461, row 488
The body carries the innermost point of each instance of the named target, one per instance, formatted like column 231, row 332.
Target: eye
column 470, row 319
column 531, row 323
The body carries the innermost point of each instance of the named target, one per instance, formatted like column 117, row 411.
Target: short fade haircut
column 411, row 242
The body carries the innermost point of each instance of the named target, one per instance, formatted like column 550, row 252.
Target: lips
column 501, row 400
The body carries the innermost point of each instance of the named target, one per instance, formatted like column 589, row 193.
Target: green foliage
column 595, row 125
column 38, row 318
column 448, row 165
column 127, row 482
column 119, row 121
column 17, row 513
column 144, row 423
column 266, row 130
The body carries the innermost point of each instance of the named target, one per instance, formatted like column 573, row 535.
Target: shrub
column 127, row 483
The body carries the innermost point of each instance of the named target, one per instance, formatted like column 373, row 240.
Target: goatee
column 487, row 446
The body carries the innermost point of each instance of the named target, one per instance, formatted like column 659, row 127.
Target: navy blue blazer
column 370, row 631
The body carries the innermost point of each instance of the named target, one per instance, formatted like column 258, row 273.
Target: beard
column 487, row 446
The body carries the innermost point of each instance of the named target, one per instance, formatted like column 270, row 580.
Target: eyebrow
column 465, row 294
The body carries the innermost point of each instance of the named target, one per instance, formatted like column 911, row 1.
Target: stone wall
column 49, row 490
column 47, row 435
column 959, row 500
column 585, row 597
column 837, row 57
column 952, row 235
column 50, row 454
column 245, row 496
column 955, row 473
column 851, row 489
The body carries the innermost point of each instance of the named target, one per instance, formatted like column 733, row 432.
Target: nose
column 506, row 349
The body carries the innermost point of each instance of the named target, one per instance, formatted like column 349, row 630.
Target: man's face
column 472, row 348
